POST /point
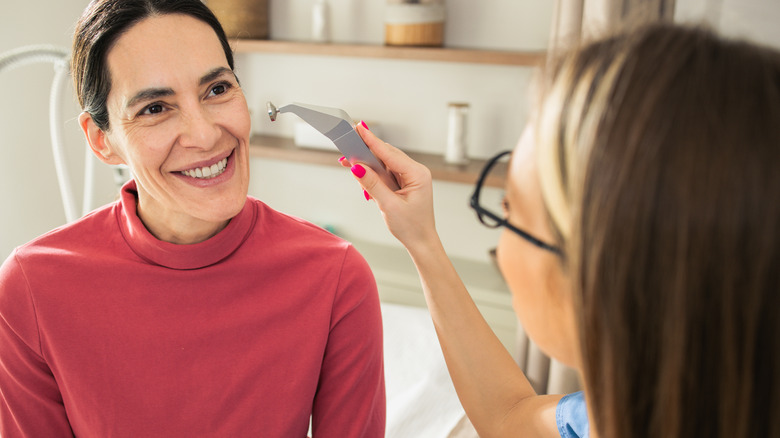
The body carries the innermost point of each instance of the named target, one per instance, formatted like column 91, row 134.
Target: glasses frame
column 501, row 221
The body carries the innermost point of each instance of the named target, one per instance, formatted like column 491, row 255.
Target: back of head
column 660, row 165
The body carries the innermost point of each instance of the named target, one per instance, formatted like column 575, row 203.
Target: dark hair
column 666, row 142
column 101, row 24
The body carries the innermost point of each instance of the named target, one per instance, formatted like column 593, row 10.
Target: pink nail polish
column 358, row 170
column 342, row 159
column 368, row 197
column 364, row 125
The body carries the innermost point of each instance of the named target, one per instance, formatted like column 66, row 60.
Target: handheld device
column 337, row 126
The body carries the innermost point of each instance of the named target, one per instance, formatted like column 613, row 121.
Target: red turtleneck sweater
column 107, row 331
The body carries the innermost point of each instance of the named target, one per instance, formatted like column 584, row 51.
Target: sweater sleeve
column 350, row 400
column 30, row 401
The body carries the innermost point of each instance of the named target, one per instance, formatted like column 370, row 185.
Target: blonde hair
column 659, row 155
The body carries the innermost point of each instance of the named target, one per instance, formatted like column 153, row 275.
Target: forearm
column 489, row 383
column 495, row 393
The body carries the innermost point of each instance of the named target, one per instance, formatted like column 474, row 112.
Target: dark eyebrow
column 214, row 74
column 156, row 93
column 149, row 94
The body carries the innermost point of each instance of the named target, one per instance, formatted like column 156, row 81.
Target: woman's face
column 179, row 120
column 540, row 291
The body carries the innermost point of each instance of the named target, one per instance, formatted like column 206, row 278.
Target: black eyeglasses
column 493, row 220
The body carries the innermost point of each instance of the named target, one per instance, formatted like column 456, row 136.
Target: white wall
column 29, row 195
column 757, row 20
column 406, row 99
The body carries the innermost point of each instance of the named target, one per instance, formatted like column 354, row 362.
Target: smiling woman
column 186, row 308
column 185, row 111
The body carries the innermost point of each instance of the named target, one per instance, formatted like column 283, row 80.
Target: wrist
column 425, row 246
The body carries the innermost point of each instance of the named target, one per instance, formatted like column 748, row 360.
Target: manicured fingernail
column 368, row 197
column 342, row 159
column 364, row 125
column 358, row 170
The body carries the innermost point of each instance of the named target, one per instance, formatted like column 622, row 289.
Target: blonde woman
column 641, row 244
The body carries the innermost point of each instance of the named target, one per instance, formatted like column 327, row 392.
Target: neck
column 179, row 228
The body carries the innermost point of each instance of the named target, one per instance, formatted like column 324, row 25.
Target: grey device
column 337, row 126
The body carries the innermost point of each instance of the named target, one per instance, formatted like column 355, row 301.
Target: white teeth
column 207, row 172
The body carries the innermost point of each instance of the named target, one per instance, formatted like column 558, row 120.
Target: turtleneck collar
column 171, row 255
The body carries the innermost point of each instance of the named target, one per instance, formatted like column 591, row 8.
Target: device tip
column 272, row 111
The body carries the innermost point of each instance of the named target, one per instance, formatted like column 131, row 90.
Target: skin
column 495, row 393
column 175, row 106
column 540, row 289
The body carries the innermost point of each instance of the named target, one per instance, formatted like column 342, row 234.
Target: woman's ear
column 98, row 140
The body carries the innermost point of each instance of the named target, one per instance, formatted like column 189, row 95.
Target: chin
column 220, row 207
column 226, row 212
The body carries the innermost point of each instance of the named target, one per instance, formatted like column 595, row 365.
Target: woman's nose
column 199, row 129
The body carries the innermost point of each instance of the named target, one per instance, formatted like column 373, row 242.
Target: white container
column 414, row 23
column 306, row 136
column 320, row 21
column 456, row 133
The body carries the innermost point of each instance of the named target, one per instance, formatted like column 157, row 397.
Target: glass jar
column 414, row 22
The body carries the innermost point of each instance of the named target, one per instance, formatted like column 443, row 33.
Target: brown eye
column 154, row 108
column 220, row 88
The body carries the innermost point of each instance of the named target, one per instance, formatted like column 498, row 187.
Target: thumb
column 386, row 153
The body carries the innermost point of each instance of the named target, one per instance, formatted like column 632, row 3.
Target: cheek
column 503, row 256
column 523, row 274
column 546, row 320
column 151, row 145
column 236, row 118
column 513, row 261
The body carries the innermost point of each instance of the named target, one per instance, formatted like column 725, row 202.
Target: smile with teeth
column 207, row 172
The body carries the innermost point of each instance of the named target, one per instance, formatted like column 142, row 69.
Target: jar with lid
column 414, row 22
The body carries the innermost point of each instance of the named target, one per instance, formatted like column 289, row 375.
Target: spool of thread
column 320, row 21
column 456, row 133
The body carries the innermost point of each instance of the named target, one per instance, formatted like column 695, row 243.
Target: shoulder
column 85, row 232
column 292, row 229
column 308, row 243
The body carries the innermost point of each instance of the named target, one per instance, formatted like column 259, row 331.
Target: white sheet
column 421, row 401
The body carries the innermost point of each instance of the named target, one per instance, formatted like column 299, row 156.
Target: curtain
column 574, row 20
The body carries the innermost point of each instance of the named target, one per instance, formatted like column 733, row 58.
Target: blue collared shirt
column 571, row 416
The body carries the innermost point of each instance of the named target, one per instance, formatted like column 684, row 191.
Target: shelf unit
column 284, row 148
column 470, row 56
